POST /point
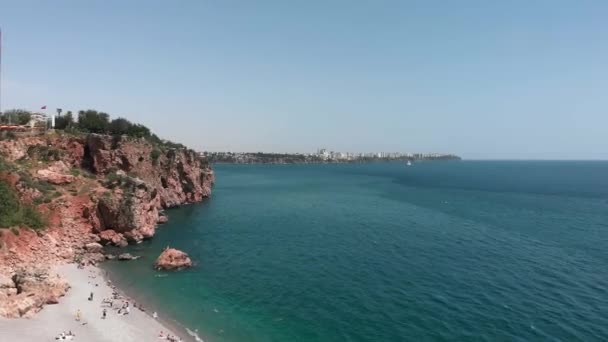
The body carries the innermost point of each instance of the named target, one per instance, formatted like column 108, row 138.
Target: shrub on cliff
column 5, row 166
column 44, row 153
column 119, row 179
column 154, row 155
column 13, row 213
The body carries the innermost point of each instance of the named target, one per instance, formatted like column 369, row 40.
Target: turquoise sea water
column 458, row 251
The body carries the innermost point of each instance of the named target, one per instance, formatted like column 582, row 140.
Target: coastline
column 54, row 319
column 215, row 162
column 150, row 304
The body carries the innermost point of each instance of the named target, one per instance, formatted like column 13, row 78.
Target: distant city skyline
column 321, row 156
column 482, row 80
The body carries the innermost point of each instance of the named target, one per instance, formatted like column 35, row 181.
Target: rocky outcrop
column 93, row 247
column 56, row 173
column 172, row 259
column 146, row 178
column 26, row 291
column 15, row 149
column 162, row 218
column 67, row 148
column 92, row 258
column 131, row 209
column 7, row 286
column 110, row 236
column 179, row 175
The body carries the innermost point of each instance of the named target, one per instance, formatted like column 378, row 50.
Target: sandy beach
column 53, row 319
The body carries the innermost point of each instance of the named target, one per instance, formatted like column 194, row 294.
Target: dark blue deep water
column 458, row 251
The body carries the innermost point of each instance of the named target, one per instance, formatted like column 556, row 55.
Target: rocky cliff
column 82, row 192
column 92, row 188
column 179, row 176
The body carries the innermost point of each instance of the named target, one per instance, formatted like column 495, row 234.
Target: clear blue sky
column 483, row 79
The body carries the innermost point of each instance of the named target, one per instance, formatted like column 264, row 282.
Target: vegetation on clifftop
column 15, row 214
column 93, row 121
column 16, row 116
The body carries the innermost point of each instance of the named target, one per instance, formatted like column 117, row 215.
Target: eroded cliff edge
column 90, row 190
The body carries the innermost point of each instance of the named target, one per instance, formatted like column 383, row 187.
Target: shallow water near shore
column 467, row 250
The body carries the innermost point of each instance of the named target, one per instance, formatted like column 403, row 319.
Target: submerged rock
column 162, row 219
column 172, row 259
column 127, row 256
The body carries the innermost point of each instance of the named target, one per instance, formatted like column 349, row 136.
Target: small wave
column 194, row 334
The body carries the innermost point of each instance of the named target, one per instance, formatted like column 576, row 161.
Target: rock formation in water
column 172, row 259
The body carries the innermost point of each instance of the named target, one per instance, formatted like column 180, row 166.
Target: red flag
column 43, row 107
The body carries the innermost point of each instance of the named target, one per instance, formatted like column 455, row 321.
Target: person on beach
column 78, row 315
column 91, row 297
column 155, row 315
column 103, row 314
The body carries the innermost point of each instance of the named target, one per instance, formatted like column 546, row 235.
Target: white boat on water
column 409, row 163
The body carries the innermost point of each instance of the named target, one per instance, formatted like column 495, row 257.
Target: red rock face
column 25, row 292
column 104, row 190
column 132, row 210
column 71, row 147
column 166, row 178
column 111, row 237
column 14, row 150
column 172, row 259
column 57, row 173
column 178, row 176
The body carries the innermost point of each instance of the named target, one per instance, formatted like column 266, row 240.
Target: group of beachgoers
column 65, row 336
column 123, row 309
column 169, row 337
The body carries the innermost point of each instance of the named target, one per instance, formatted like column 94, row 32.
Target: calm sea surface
column 438, row 251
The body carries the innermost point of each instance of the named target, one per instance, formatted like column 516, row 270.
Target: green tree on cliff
column 64, row 121
column 17, row 116
column 93, row 121
column 139, row 131
column 120, row 126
